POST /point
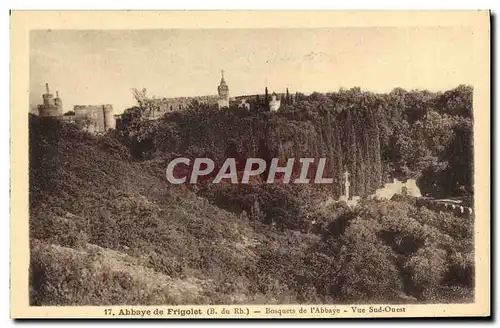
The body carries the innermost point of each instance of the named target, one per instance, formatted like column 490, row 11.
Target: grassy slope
column 106, row 230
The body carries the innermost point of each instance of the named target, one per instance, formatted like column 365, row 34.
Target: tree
column 351, row 150
column 263, row 152
column 266, row 100
column 460, row 154
column 147, row 105
column 376, row 149
column 457, row 101
column 140, row 97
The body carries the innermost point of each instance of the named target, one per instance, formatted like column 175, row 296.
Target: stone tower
column 223, row 93
column 50, row 106
column 109, row 118
column 58, row 101
column 47, row 96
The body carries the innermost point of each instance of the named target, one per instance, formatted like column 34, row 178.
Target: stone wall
column 94, row 118
column 167, row 105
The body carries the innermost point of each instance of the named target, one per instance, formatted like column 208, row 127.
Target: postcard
column 250, row 164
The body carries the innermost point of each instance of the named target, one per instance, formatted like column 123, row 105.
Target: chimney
column 46, row 88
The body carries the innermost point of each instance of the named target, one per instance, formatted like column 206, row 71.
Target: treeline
column 375, row 137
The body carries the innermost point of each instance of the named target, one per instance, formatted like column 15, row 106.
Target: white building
column 274, row 104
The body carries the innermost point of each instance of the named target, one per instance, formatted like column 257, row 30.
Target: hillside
column 375, row 137
column 106, row 229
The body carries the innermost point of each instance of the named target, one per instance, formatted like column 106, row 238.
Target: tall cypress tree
column 360, row 173
column 266, row 100
column 359, row 164
column 351, row 151
column 338, row 159
column 368, row 158
column 263, row 152
column 377, row 179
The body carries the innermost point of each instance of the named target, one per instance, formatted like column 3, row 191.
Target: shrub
column 367, row 273
column 427, row 268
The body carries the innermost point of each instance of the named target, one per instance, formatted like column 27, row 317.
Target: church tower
column 223, row 93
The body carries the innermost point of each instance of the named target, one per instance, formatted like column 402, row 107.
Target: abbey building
column 92, row 118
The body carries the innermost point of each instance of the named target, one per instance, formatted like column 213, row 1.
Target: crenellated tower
column 51, row 106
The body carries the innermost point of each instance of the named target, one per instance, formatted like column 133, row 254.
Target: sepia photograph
column 281, row 170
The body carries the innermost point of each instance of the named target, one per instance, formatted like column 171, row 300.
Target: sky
column 90, row 67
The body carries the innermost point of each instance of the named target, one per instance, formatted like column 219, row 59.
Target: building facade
column 157, row 107
column 161, row 106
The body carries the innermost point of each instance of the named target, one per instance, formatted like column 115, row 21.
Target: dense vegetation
column 376, row 137
column 106, row 228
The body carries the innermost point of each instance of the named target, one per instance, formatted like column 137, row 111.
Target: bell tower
column 223, row 90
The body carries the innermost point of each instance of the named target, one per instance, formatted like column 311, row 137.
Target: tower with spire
column 223, row 90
